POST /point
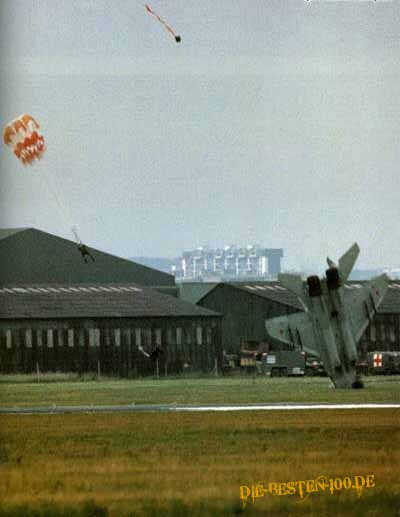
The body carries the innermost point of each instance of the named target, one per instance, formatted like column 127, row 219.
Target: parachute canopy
column 22, row 134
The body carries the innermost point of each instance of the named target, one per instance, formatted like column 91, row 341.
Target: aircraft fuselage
column 336, row 344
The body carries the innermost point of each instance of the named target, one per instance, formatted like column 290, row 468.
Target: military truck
column 278, row 363
column 383, row 363
column 314, row 366
column 282, row 363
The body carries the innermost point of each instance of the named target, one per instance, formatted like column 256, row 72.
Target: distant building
column 229, row 263
column 393, row 273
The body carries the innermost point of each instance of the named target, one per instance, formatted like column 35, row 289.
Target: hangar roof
column 193, row 292
column 276, row 293
column 272, row 291
column 93, row 301
column 391, row 302
column 196, row 291
column 28, row 256
column 7, row 232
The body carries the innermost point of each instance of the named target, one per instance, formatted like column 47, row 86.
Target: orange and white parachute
column 22, row 134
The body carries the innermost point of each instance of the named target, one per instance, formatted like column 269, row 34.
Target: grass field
column 193, row 464
column 24, row 391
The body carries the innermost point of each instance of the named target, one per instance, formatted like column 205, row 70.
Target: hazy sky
column 274, row 122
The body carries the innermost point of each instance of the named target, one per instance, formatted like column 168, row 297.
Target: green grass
column 193, row 464
column 230, row 390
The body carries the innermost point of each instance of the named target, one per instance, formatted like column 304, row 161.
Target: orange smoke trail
column 149, row 10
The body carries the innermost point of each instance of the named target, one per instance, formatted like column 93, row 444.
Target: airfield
column 175, row 462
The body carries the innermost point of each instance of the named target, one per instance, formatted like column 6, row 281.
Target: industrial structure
column 231, row 262
column 115, row 329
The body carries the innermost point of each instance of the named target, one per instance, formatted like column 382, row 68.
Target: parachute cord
column 61, row 207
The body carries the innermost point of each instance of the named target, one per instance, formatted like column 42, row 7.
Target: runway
column 177, row 408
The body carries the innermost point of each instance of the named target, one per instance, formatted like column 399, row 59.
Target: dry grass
column 193, row 464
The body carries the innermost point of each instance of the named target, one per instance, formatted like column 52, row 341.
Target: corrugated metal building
column 383, row 333
column 245, row 307
column 30, row 256
column 112, row 326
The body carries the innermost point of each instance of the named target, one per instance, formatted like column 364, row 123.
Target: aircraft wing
column 291, row 331
column 363, row 304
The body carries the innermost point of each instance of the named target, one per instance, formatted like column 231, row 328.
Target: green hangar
column 117, row 329
column 246, row 305
column 31, row 256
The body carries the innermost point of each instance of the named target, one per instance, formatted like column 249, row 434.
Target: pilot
column 84, row 252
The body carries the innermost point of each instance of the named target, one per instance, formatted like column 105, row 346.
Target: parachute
column 22, row 134
column 150, row 11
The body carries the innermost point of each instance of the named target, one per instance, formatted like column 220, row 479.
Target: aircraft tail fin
column 330, row 262
column 347, row 261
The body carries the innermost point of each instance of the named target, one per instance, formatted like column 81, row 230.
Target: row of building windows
column 382, row 332
column 139, row 336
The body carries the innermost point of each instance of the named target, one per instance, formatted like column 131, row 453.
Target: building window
column 117, row 337
column 70, row 337
column 178, row 335
column 209, row 335
column 94, row 337
column 138, row 337
column 189, row 335
column 50, row 338
column 60, row 336
column 91, row 337
column 39, row 338
column 199, row 335
column 392, row 334
column 28, row 338
column 157, row 333
column 8, row 338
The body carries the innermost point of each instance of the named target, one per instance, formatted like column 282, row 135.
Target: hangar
column 116, row 329
column 383, row 333
column 31, row 256
column 245, row 307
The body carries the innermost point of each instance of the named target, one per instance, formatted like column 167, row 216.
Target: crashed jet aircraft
column 333, row 322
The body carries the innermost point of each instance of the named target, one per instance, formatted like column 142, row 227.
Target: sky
column 273, row 122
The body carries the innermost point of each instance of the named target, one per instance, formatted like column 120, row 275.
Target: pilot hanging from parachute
column 82, row 248
column 23, row 136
